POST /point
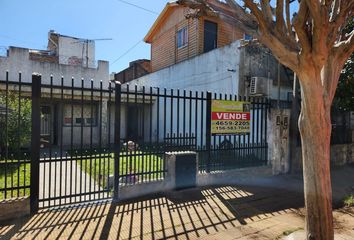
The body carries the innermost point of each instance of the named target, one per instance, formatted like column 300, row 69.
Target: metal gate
column 85, row 151
column 79, row 167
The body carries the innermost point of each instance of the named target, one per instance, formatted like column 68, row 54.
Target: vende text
column 230, row 116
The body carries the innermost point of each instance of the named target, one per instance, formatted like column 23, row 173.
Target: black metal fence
column 175, row 120
column 76, row 138
column 15, row 136
column 342, row 127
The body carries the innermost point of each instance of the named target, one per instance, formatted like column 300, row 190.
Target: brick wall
column 43, row 58
column 135, row 70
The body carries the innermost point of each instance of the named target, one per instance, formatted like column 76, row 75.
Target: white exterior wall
column 73, row 48
column 18, row 61
column 206, row 72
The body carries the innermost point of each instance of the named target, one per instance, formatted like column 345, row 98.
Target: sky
column 25, row 23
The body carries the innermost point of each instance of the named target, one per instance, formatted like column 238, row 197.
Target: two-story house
column 177, row 35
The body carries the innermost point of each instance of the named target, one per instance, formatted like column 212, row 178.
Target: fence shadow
column 183, row 214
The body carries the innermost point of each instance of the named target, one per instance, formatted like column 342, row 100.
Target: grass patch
column 349, row 201
column 288, row 232
column 100, row 166
column 14, row 174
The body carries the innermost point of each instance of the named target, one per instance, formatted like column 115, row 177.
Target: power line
column 126, row 52
column 137, row 6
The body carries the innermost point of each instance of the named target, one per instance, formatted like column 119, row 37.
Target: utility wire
column 125, row 53
column 137, row 6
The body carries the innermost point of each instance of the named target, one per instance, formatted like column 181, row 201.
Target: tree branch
column 283, row 52
column 267, row 11
column 315, row 10
column 262, row 23
column 345, row 48
column 280, row 23
column 334, row 10
column 300, row 26
column 320, row 31
column 287, row 11
column 340, row 13
column 200, row 5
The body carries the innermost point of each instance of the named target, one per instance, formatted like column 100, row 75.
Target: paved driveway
column 64, row 177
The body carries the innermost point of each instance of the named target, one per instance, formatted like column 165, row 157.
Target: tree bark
column 315, row 130
column 295, row 160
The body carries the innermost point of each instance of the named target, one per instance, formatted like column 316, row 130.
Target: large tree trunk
column 315, row 129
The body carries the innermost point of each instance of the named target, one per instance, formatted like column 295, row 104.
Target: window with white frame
column 182, row 37
column 85, row 115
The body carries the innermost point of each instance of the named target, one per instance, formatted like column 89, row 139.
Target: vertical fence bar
column 150, row 141
column 109, row 137
column 208, row 130
column 202, row 119
column 266, row 109
column 35, row 142
column 73, row 184
column 81, row 136
column 50, row 147
column 61, row 144
column 91, row 139
column 6, row 131
column 118, row 91
column 100, row 152
column 19, row 155
column 171, row 114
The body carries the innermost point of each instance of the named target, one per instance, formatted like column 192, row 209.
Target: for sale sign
column 230, row 117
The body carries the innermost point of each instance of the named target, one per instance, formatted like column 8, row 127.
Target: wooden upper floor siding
column 163, row 36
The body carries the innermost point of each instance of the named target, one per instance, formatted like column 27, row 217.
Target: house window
column 247, row 37
column 182, row 37
column 82, row 115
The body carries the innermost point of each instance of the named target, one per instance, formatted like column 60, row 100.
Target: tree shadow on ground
column 186, row 213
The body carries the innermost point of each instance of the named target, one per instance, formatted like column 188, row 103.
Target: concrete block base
column 237, row 176
column 17, row 208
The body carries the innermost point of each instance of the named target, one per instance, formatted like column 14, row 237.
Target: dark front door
column 46, row 125
column 210, row 36
column 134, row 123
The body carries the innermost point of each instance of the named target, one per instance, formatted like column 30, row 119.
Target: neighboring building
column 135, row 70
column 66, row 57
column 196, row 52
column 177, row 36
column 246, row 71
column 199, row 53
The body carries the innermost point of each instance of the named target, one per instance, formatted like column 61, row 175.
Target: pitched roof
column 160, row 19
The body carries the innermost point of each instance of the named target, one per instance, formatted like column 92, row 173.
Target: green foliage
column 137, row 162
column 17, row 175
column 18, row 130
column 349, row 201
column 344, row 99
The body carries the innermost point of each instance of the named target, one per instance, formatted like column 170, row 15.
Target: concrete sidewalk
column 265, row 209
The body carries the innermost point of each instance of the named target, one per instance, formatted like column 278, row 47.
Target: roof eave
column 153, row 29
